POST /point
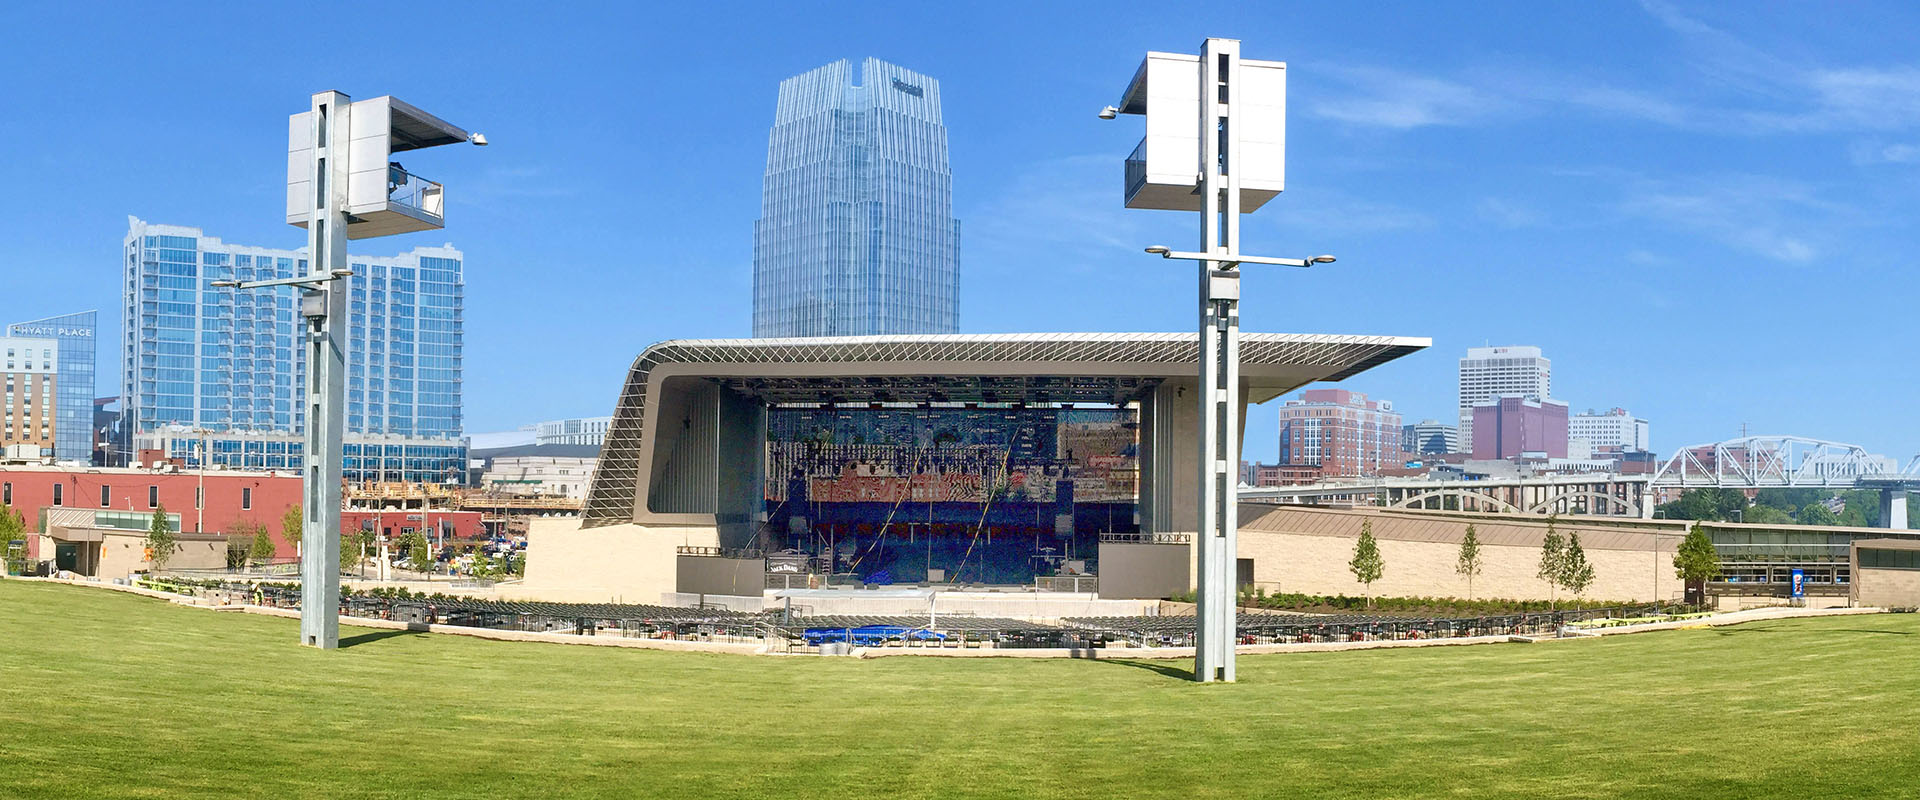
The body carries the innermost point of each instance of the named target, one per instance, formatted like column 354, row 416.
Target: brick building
column 1341, row 432
column 231, row 499
column 1513, row 426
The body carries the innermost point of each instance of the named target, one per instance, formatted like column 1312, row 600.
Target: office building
column 856, row 234
column 1489, row 372
column 1512, row 426
column 1615, row 429
column 73, row 392
column 221, row 371
column 1429, row 436
column 29, row 421
column 1341, row 432
column 584, row 431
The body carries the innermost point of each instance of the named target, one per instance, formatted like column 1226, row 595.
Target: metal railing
column 775, row 628
column 407, row 189
column 1146, row 538
column 1136, row 168
column 1067, row 583
column 719, row 552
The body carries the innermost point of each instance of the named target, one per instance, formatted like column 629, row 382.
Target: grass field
column 104, row 694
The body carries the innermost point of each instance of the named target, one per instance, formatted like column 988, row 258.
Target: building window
column 153, row 497
column 1889, row 559
column 246, row 498
column 6, row 493
column 57, row 500
column 106, row 496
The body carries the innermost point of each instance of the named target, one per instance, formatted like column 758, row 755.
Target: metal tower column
column 1219, row 362
column 323, row 310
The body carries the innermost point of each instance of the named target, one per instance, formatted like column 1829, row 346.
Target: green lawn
column 104, row 694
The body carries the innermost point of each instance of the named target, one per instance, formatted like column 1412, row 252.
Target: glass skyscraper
column 231, row 363
column 73, row 379
column 856, row 234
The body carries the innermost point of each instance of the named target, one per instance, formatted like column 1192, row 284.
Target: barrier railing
column 774, row 628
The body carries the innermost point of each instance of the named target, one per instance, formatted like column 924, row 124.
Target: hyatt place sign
column 49, row 330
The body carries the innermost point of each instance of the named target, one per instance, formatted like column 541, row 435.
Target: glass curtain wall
column 857, row 234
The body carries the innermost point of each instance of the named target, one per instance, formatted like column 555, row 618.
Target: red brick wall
column 267, row 496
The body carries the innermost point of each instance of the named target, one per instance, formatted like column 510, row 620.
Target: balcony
column 416, row 194
column 383, row 197
column 1136, row 170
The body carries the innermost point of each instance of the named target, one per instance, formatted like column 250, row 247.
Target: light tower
column 343, row 184
column 1231, row 162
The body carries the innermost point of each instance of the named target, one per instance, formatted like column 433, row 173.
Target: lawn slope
column 104, row 694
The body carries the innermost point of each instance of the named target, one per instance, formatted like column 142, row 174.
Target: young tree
column 262, row 550
column 1576, row 573
column 363, row 542
column 293, row 526
column 160, row 539
column 12, row 528
column 349, row 553
column 1696, row 562
column 1469, row 563
column 1367, row 565
column 420, row 552
column 1553, row 559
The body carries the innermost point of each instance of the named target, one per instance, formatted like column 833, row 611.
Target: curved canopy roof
column 990, row 368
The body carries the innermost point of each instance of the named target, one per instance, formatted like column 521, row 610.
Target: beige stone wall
column 1887, row 588
column 123, row 555
column 1284, row 562
column 617, row 563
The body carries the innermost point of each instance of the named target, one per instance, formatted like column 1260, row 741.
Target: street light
column 1232, row 161
column 342, row 184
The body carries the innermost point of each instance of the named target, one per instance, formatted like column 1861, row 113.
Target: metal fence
column 777, row 629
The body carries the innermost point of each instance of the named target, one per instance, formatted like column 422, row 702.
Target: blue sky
column 1704, row 213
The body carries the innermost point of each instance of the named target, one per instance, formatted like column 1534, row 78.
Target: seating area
column 960, row 631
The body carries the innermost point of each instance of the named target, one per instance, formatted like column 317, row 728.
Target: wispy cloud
column 1067, row 207
column 1739, row 89
column 1333, row 212
column 516, row 182
column 1876, row 152
column 1507, row 214
column 1778, row 220
column 1375, row 96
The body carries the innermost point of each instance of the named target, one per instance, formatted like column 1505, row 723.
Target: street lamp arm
column 302, row 281
column 1236, row 259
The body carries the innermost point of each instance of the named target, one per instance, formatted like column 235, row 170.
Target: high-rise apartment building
column 1613, row 429
column 1340, row 431
column 1429, row 436
column 1512, row 426
column 1489, row 372
column 856, row 234
column 74, row 365
column 230, row 363
column 29, row 389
